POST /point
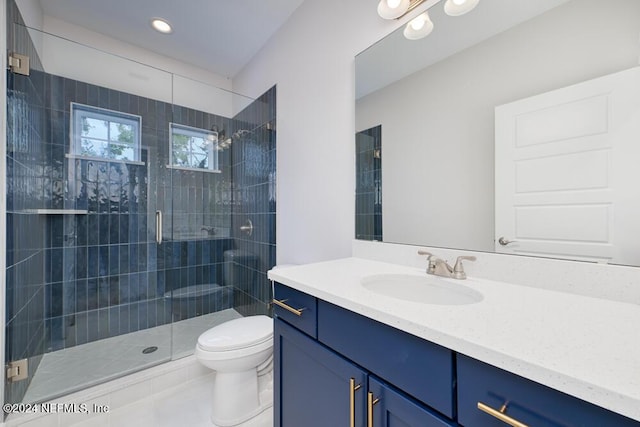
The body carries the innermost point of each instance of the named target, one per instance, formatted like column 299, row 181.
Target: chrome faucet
column 211, row 231
column 440, row 267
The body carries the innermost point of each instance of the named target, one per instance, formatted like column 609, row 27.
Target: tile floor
column 187, row 405
column 76, row 368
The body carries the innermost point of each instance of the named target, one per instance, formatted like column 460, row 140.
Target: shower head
column 240, row 133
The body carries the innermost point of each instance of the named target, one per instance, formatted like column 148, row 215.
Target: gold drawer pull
column 500, row 414
column 281, row 303
column 352, row 401
column 370, row 403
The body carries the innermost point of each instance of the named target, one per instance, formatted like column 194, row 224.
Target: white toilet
column 240, row 351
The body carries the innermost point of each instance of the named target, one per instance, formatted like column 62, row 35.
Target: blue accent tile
column 103, row 229
column 114, row 321
column 81, row 295
column 82, row 329
column 103, row 323
column 133, row 258
column 124, row 319
column 103, row 261
column 92, row 295
column 114, row 260
column 104, row 292
column 93, row 229
column 114, row 290
column 114, row 228
column 93, row 325
column 123, row 259
column 124, row 289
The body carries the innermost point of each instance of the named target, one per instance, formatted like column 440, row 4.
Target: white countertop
column 586, row 347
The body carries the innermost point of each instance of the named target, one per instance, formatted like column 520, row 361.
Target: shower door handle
column 159, row 227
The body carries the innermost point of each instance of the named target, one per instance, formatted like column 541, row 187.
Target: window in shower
column 101, row 133
column 193, row 148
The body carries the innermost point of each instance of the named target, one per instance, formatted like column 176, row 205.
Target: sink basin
column 423, row 289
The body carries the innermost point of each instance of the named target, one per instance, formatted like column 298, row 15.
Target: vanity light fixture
column 421, row 26
column 161, row 26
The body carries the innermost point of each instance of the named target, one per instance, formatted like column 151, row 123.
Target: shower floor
column 72, row 369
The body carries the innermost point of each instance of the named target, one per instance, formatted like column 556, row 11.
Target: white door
column 568, row 172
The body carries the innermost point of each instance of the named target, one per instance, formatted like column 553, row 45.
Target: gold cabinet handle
column 370, row 403
column 281, row 303
column 352, row 401
column 500, row 414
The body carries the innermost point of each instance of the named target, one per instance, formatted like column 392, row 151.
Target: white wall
column 311, row 59
column 438, row 124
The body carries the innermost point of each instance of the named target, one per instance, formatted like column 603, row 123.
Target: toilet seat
column 238, row 334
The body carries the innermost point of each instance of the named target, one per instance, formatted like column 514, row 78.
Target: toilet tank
column 240, row 268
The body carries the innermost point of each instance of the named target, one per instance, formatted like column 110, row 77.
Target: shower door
column 86, row 149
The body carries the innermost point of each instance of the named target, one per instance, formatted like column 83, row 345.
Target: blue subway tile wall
column 111, row 263
column 369, row 184
column 254, row 181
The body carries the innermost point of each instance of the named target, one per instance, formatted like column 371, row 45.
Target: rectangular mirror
column 514, row 128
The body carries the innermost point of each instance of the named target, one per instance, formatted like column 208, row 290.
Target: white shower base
column 69, row 370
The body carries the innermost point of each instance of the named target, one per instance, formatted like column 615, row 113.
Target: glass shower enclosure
column 140, row 212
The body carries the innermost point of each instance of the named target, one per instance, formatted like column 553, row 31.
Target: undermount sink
column 423, row 289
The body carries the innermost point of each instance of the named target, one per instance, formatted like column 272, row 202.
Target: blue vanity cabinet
column 313, row 386
column 392, row 408
column 419, row 368
column 316, row 384
column 482, row 388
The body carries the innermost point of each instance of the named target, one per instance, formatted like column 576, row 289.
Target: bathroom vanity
column 348, row 355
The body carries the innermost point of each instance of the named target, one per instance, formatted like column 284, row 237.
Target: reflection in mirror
column 556, row 83
column 369, row 184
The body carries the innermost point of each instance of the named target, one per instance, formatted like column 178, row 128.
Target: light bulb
column 392, row 9
column 459, row 7
column 393, row 3
column 417, row 23
column 419, row 27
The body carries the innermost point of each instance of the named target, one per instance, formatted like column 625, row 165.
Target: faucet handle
column 458, row 268
column 431, row 267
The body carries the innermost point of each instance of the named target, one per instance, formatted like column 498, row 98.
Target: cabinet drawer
column 302, row 310
column 421, row 369
column 529, row 402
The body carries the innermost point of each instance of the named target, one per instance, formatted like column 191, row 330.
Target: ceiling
column 218, row 35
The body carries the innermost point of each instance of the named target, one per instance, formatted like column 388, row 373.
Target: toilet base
column 237, row 398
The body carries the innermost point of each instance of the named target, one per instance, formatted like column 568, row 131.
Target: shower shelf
column 58, row 211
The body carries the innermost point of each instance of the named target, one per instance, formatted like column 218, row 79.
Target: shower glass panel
column 86, row 133
column 214, row 270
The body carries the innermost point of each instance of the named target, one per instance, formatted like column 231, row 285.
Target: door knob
column 504, row 241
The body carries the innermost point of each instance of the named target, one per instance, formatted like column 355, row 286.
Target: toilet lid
column 237, row 333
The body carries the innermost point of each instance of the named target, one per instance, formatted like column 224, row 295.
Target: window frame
column 79, row 111
column 191, row 131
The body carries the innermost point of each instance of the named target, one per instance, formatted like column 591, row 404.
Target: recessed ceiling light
column 161, row 25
